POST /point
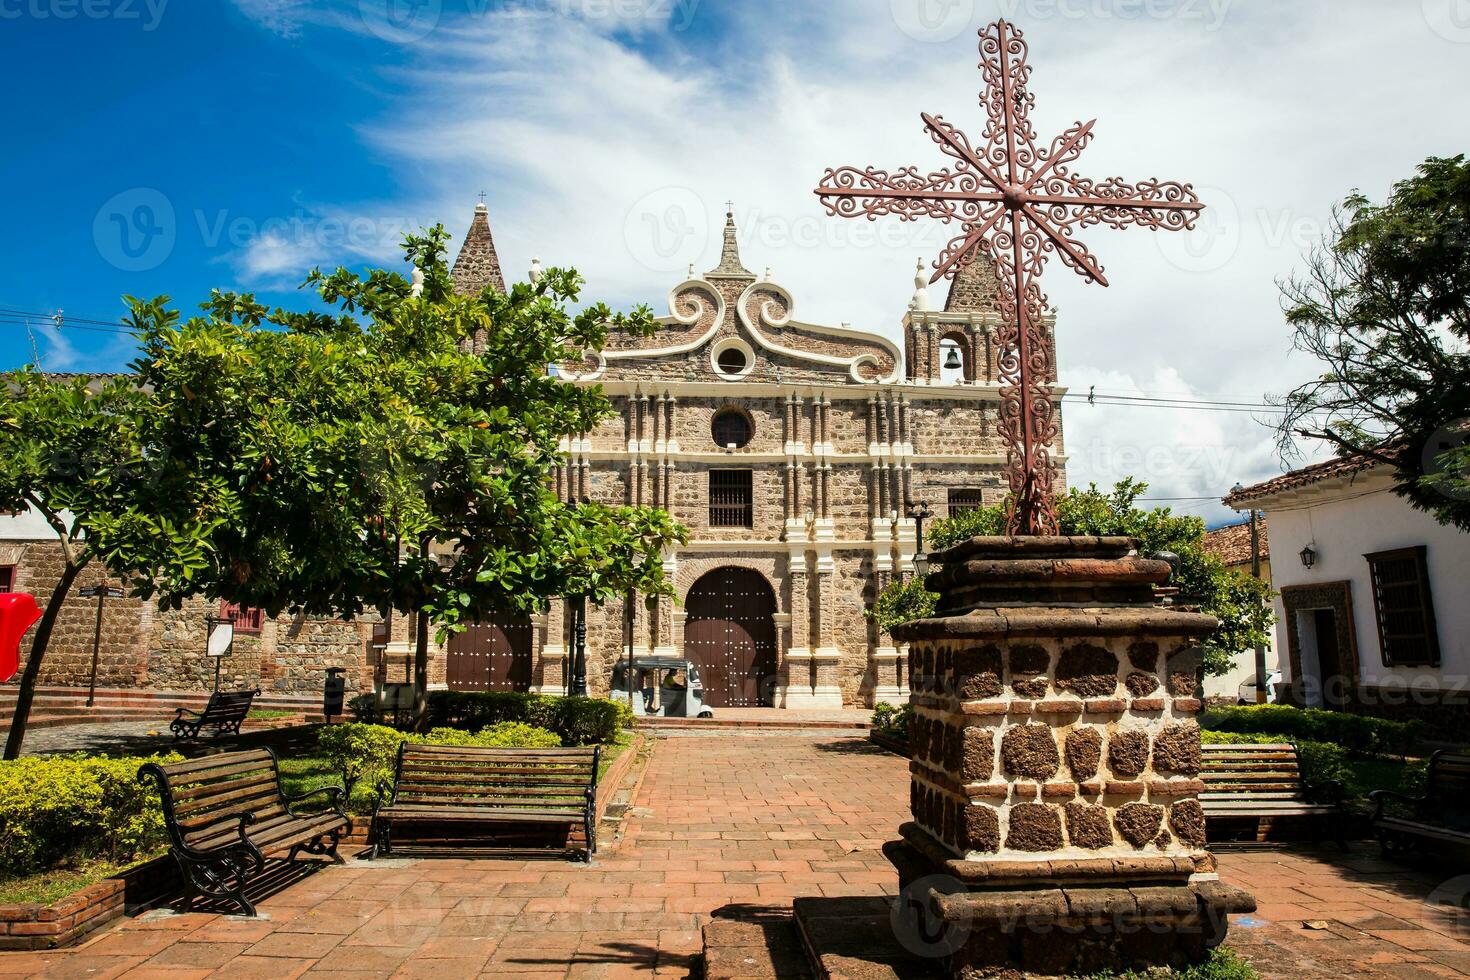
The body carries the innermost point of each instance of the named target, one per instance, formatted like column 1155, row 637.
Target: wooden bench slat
column 214, row 761
column 459, row 784
column 236, row 799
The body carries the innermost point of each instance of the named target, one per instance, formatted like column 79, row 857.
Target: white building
column 1372, row 598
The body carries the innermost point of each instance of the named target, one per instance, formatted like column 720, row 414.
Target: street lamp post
column 578, row 687
column 920, row 513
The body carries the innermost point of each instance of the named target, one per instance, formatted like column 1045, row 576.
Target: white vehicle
column 1247, row 691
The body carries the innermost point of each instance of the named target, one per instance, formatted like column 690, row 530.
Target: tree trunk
column 420, row 670
column 27, row 692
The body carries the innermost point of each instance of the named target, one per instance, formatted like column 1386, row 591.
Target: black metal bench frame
column 226, row 711
column 1265, row 783
column 521, row 779
column 1448, row 777
column 220, row 866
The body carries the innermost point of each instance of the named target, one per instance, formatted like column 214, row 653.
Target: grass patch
column 273, row 714
column 1223, row 964
column 51, row 886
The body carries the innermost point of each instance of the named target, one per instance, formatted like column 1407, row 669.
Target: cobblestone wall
column 142, row 646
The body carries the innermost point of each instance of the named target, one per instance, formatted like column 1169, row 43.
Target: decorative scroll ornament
column 1018, row 203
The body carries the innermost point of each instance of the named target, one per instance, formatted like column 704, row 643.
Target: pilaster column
column 553, row 649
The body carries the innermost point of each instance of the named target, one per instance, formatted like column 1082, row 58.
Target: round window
column 731, row 428
column 732, row 360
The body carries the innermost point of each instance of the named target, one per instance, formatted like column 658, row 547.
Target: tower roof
column 730, row 267
column 974, row 287
column 477, row 265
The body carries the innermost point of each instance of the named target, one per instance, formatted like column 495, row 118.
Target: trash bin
column 334, row 693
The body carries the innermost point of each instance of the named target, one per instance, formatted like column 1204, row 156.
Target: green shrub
column 1320, row 761
column 893, row 720
column 61, row 809
column 360, row 751
column 578, row 721
column 505, row 735
column 369, row 752
column 1359, row 734
column 364, row 708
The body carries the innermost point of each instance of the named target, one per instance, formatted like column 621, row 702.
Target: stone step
column 759, row 943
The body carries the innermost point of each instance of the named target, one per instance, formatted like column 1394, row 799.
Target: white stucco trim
column 853, row 364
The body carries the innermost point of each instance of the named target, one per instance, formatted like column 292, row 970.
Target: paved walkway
column 719, row 823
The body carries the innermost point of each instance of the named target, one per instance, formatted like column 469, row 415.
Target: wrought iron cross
column 1018, row 203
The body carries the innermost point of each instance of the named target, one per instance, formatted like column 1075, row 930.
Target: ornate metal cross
column 1018, row 203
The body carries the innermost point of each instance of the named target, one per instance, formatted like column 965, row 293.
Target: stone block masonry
column 1055, row 762
column 143, row 646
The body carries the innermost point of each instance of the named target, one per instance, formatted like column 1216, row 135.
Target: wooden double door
column 491, row 656
column 730, row 633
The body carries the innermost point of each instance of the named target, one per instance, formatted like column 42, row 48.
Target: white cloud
column 614, row 150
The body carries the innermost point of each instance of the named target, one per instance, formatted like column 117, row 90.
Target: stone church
column 792, row 451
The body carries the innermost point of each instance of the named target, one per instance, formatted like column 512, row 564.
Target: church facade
column 794, row 453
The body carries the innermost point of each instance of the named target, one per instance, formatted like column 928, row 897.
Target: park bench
column 461, row 786
column 1264, row 783
column 226, row 711
column 1441, row 814
column 225, row 812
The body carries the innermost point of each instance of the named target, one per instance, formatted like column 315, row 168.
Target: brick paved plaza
column 720, row 822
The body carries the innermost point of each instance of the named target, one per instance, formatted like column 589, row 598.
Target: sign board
column 221, row 638
column 18, row 613
column 93, row 591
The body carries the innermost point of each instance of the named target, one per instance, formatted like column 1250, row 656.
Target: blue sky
column 172, row 147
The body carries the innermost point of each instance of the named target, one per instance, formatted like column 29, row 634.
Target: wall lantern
column 1309, row 556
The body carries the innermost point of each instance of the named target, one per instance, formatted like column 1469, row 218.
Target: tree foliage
column 72, row 453
column 396, row 453
column 1384, row 305
column 1240, row 603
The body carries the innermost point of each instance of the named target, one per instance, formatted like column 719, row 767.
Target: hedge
column 367, row 753
column 61, row 809
column 1359, row 734
column 578, row 721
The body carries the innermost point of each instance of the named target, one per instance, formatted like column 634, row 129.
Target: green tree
column 396, row 454
column 1384, row 305
column 1240, row 603
column 70, row 453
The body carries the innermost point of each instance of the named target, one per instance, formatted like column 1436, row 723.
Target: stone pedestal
column 1055, row 764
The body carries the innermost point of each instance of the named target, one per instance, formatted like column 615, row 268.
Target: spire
column 920, row 302
column 730, row 267
column 975, row 287
column 477, row 265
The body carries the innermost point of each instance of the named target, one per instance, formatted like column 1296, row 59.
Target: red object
column 18, row 613
column 1018, row 203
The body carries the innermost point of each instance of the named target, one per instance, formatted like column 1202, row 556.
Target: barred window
column 730, row 498
column 963, row 500
column 1404, row 606
column 244, row 619
column 731, row 428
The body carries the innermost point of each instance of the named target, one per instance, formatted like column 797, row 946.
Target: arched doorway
column 730, row 632
column 494, row 655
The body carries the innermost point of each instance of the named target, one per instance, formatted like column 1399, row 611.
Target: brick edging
column 31, row 926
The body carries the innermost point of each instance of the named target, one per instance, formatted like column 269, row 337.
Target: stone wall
column 142, row 646
column 122, row 654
